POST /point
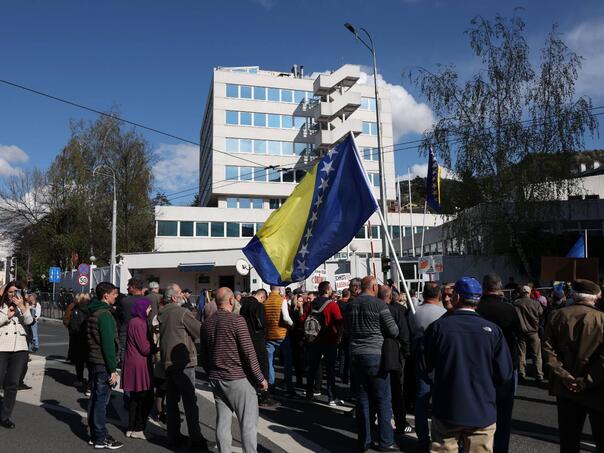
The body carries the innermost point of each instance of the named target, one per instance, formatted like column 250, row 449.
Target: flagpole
column 411, row 215
column 400, row 228
column 421, row 252
column 399, row 271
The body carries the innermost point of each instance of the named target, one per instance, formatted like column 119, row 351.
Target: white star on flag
column 319, row 201
column 313, row 218
column 302, row 266
column 327, row 167
column 324, row 184
column 308, row 234
column 332, row 152
column 303, row 251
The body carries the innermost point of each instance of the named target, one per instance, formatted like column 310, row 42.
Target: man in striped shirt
column 230, row 361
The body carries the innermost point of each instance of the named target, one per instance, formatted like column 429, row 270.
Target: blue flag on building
column 321, row 216
column 578, row 250
column 433, row 183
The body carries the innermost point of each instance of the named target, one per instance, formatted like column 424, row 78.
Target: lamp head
column 350, row 28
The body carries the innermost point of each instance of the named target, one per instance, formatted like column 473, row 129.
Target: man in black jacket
column 396, row 351
column 493, row 307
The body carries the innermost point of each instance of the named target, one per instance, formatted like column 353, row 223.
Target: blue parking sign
column 54, row 275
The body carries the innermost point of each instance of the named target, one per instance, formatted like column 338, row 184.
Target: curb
column 44, row 319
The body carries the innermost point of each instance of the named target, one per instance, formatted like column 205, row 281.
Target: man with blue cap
column 470, row 358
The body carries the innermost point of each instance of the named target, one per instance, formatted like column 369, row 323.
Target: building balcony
column 346, row 77
column 325, row 138
column 337, row 106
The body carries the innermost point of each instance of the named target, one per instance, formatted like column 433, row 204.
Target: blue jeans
column 423, row 388
column 286, row 354
column 97, row 406
column 373, row 393
column 505, row 405
column 35, row 342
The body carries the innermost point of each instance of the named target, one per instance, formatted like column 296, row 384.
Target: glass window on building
column 274, row 176
column 247, row 230
column 245, row 118
column 231, row 203
column 288, row 176
column 375, row 232
column 246, row 173
column 287, row 148
column 299, row 97
column 245, row 92
column 260, row 146
column 244, row 203
column 407, row 232
column 167, row 228
column 274, row 120
column 232, row 118
column 260, row 174
column 245, row 145
column 232, row 91
column 299, row 122
column 260, row 93
column 300, row 175
column 273, row 94
column 274, row 203
column 232, row 230
column 260, row 119
column 232, row 172
column 217, row 229
column 287, row 122
column 186, row 229
column 361, row 233
column 300, row 149
column 287, row 96
column 366, row 127
column 257, row 203
column 274, row 147
column 232, row 145
column 201, row 229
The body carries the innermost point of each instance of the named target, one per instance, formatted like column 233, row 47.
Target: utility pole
column 113, row 218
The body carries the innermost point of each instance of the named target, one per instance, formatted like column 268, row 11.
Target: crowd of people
column 455, row 358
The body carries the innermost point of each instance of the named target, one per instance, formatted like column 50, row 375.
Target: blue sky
column 153, row 60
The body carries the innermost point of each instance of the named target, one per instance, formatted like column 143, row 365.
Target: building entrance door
column 227, row 280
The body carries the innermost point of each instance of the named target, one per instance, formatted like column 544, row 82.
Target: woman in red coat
column 136, row 376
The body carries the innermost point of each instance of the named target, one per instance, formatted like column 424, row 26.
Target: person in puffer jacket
column 14, row 317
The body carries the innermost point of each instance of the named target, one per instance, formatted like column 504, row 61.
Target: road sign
column 54, row 275
column 83, row 280
column 83, row 269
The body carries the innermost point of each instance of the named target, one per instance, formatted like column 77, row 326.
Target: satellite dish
column 243, row 267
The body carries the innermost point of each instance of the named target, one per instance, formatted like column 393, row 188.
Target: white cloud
column 177, row 167
column 421, row 170
column 10, row 157
column 408, row 115
column 587, row 40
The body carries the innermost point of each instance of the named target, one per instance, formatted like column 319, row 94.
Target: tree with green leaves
column 497, row 128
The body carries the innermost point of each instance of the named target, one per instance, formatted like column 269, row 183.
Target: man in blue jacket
column 470, row 358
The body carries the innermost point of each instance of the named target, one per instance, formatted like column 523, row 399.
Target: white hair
column 584, row 297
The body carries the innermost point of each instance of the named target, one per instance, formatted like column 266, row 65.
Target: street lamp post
column 113, row 218
column 371, row 47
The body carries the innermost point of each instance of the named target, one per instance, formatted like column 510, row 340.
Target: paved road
column 52, row 416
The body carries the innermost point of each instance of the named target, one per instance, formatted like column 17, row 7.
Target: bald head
column 385, row 293
column 369, row 285
column 224, row 298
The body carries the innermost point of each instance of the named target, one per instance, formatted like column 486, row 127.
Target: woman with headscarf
column 136, row 375
column 14, row 318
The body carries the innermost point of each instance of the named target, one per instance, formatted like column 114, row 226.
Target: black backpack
column 314, row 324
column 77, row 320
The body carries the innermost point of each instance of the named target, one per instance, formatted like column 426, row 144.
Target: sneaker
column 316, row 394
column 23, row 386
column 129, row 433
column 138, row 435
column 110, row 443
column 333, row 404
column 87, row 393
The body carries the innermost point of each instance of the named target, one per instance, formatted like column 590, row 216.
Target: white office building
column 261, row 131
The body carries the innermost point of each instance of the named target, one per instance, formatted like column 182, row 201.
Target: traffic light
column 386, row 264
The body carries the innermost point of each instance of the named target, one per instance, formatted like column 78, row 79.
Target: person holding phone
column 14, row 317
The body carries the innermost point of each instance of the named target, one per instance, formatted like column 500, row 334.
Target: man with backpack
column 322, row 333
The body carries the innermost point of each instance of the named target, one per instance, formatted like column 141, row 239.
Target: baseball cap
column 585, row 286
column 468, row 288
column 153, row 285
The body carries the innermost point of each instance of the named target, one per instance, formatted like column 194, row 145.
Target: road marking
column 34, row 378
column 280, row 435
column 53, row 343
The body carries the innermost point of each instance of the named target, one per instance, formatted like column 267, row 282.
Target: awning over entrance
column 196, row 267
